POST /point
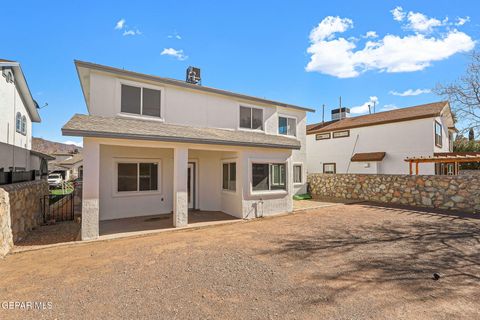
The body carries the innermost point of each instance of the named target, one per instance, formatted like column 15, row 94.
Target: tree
column 464, row 95
column 471, row 135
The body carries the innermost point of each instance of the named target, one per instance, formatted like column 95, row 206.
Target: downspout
column 14, row 124
column 353, row 152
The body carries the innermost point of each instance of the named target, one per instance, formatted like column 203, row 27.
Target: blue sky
column 303, row 52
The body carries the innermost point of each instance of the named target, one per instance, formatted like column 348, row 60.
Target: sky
column 307, row 53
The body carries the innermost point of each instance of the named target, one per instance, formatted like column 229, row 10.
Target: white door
column 191, row 185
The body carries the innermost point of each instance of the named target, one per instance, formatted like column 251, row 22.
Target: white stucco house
column 18, row 110
column 379, row 143
column 154, row 145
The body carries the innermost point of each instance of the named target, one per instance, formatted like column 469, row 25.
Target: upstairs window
column 251, row 118
column 268, row 176
column 287, row 126
column 18, row 122
column 438, row 134
column 24, row 125
column 142, row 101
column 229, row 176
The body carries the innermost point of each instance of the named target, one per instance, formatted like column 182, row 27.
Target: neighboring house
column 18, row 110
column 69, row 165
column 154, row 145
column 379, row 143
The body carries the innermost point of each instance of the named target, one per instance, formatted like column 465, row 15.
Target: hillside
column 50, row 147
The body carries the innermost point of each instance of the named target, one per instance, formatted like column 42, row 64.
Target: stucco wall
column 20, row 211
column 399, row 140
column 444, row 192
column 11, row 103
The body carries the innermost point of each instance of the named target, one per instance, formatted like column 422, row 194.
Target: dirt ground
column 338, row 262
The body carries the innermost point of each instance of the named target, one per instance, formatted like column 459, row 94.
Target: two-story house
column 18, row 110
column 380, row 143
column 154, row 145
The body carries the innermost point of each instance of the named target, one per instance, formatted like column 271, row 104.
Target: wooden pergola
column 453, row 158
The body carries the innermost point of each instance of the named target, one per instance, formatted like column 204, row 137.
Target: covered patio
column 162, row 222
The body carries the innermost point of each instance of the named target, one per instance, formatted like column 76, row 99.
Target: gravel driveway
column 338, row 262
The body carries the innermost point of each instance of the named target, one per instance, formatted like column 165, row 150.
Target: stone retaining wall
column 445, row 192
column 20, row 211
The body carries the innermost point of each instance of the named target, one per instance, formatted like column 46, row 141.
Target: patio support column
column 180, row 196
column 91, row 181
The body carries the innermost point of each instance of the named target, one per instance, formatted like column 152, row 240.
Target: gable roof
column 177, row 83
column 22, row 87
column 76, row 157
column 122, row 128
column 405, row 114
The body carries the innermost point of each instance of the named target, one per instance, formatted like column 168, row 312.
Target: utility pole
column 323, row 113
column 340, row 107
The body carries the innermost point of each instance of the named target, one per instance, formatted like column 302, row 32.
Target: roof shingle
column 122, row 128
column 411, row 113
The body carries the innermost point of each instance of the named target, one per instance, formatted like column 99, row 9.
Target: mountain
column 50, row 147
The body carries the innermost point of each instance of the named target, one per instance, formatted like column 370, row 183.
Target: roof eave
column 111, row 135
column 177, row 83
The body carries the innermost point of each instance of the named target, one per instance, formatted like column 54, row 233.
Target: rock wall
column 445, row 192
column 20, row 211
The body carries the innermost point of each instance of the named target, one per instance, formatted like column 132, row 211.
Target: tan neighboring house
column 380, row 143
column 154, row 145
column 69, row 165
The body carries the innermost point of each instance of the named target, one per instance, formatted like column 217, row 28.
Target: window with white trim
column 297, row 173
column 287, row 126
column 229, row 176
column 438, row 134
column 137, row 176
column 141, row 101
column 251, row 118
column 268, row 176
column 18, row 122
column 329, row 168
column 24, row 125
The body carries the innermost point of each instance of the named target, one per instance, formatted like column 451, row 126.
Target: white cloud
column 337, row 56
column 410, row 92
column 371, row 34
column 329, row 26
column 398, row 14
column 175, row 35
column 120, row 24
column 389, row 107
column 131, row 32
column 421, row 23
column 178, row 54
column 462, row 21
column 364, row 107
column 78, row 144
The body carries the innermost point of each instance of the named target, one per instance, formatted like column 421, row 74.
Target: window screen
column 130, row 99
column 151, row 102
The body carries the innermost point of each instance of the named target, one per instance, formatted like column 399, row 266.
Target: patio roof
column 368, row 156
column 448, row 157
column 122, row 128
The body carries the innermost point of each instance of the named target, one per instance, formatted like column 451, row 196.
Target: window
column 142, row 101
column 322, row 136
column 24, row 125
column 287, row 126
column 329, row 168
column 251, row 118
column 341, row 134
column 137, row 177
column 229, row 176
column 450, row 141
column 268, row 176
column 297, row 173
column 438, row 134
column 18, row 122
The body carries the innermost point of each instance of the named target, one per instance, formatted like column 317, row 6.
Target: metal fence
column 56, row 208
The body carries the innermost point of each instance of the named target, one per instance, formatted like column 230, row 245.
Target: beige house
column 153, row 145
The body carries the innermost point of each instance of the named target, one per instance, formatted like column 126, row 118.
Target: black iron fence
column 17, row 176
column 56, row 208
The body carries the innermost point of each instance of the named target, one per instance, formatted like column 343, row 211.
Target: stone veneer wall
column 445, row 192
column 20, row 211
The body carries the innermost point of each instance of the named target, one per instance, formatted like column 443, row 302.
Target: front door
column 191, row 185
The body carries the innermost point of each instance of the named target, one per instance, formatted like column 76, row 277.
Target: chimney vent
column 193, row 75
